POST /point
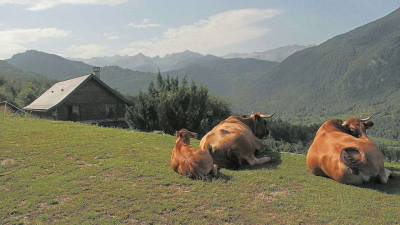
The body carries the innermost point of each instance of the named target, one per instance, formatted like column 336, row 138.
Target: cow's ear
column 368, row 124
column 352, row 157
column 177, row 133
column 257, row 117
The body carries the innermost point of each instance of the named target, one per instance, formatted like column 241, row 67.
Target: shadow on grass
column 273, row 164
column 395, row 169
column 220, row 176
column 392, row 187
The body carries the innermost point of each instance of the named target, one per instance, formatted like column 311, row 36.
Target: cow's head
column 260, row 124
column 185, row 135
column 357, row 127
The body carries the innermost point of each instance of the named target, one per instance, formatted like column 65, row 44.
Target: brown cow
column 185, row 160
column 234, row 141
column 343, row 152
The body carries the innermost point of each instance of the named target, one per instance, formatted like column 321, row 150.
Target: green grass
column 72, row 173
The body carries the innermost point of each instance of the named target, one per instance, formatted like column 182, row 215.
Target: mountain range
column 355, row 73
column 176, row 61
column 144, row 63
column 222, row 76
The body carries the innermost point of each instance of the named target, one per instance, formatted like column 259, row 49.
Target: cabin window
column 111, row 110
column 73, row 113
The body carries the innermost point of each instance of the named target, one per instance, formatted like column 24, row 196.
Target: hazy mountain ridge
column 144, row 63
column 225, row 77
column 53, row 66
column 5, row 66
column 276, row 55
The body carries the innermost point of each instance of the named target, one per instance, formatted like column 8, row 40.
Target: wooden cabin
column 84, row 99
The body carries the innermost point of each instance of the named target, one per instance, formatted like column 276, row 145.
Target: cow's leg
column 259, row 147
column 364, row 177
column 256, row 161
column 391, row 173
column 352, row 179
column 384, row 176
column 214, row 171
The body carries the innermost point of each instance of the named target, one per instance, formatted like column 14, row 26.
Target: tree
column 171, row 106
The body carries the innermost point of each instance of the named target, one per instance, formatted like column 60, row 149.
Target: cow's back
column 222, row 139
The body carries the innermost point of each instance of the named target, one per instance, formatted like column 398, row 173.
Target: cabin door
column 73, row 113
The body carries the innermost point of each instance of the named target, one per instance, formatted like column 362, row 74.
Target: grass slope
column 71, row 173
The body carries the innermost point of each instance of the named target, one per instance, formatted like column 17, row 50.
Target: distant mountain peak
column 141, row 55
column 277, row 54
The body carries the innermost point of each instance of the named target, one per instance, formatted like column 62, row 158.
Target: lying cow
column 185, row 160
column 343, row 152
column 234, row 141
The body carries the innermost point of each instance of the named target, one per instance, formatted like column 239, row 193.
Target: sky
column 94, row 28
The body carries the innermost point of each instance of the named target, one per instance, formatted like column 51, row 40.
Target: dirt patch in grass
column 83, row 164
column 7, row 162
column 181, row 188
column 271, row 196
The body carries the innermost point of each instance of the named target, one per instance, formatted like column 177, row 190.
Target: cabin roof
column 62, row 90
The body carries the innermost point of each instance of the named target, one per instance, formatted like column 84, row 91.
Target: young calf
column 185, row 160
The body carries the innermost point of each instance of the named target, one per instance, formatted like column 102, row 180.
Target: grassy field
column 72, row 173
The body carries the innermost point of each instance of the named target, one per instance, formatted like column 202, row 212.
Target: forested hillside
column 356, row 73
column 20, row 87
column 225, row 77
column 126, row 81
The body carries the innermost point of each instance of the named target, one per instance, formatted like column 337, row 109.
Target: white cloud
column 219, row 30
column 35, row 5
column 145, row 23
column 87, row 51
column 18, row 36
column 113, row 38
column 110, row 36
column 12, row 41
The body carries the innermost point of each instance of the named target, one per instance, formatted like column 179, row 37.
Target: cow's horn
column 365, row 120
column 263, row 116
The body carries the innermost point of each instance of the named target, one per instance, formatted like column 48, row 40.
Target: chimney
column 96, row 71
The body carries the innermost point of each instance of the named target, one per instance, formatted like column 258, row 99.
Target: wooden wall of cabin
column 92, row 99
